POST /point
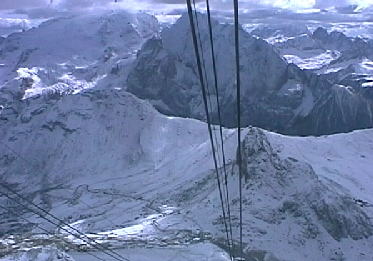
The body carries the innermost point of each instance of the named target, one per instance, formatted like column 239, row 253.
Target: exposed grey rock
column 275, row 95
column 351, row 48
column 302, row 195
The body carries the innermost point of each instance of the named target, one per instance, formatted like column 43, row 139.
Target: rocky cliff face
column 290, row 181
column 354, row 68
column 278, row 191
column 275, row 95
column 171, row 82
column 350, row 48
column 340, row 59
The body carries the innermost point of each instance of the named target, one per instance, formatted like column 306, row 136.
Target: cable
column 29, row 162
column 194, row 36
column 238, row 83
column 219, row 113
column 84, row 203
column 199, row 39
column 85, row 239
column 46, row 231
column 218, row 105
column 225, row 178
column 67, row 231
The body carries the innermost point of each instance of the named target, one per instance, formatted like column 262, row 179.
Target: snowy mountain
column 109, row 164
column 82, row 135
column 301, row 102
column 68, row 54
column 275, row 95
column 324, row 52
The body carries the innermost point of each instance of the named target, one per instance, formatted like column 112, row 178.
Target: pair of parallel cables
column 198, row 49
column 211, row 135
column 52, row 219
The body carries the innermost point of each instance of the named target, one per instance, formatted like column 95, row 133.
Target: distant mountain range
column 276, row 95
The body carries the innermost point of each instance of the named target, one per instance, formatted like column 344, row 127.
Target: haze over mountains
column 101, row 124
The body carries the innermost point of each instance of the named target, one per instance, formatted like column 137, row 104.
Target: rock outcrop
column 295, row 186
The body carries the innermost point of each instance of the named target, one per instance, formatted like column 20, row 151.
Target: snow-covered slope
column 39, row 254
column 68, row 54
column 9, row 24
column 109, row 164
column 202, row 251
column 342, row 159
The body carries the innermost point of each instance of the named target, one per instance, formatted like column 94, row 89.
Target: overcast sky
column 293, row 4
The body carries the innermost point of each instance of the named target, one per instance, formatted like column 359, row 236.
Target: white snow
column 367, row 66
column 38, row 254
column 361, row 29
column 138, row 175
column 278, row 39
column 167, row 18
column 9, row 25
column 205, row 252
column 77, row 52
column 128, row 173
column 341, row 159
column 315, row 62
